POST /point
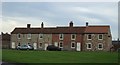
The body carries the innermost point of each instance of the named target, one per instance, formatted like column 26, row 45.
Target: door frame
column 13, row 45
column 56, row 44
column 35, row 46
column 46, row 45
column 78, row 47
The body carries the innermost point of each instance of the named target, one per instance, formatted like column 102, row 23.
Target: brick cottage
column 71, row 38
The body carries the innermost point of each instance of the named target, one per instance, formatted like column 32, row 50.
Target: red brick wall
column 67, row 39
column 55, row 38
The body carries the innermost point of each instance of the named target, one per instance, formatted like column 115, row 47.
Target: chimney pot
column 28, row 25
column 86, row 23
column 42, row 25
column 71, row 24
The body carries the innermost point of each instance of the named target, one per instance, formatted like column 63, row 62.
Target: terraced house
column 72, row 38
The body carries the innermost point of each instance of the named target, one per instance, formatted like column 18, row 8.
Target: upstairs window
column 40, row 36
column 73, row 36
column 61, row 36
column 18, row 36
column 28, row 36
column 100, row 37
column 89, row 37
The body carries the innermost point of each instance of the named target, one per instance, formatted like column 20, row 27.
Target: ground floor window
column 18, row 44
column 61, row 44
column 89, row 46
column 40, row 45
column 72, row 44
column 100, row 46
column 28, row 43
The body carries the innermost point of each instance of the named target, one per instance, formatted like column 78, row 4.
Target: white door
column 46, row 45
column 78, row 46
column 56, row 44
column 35, row 46
column 13, row 45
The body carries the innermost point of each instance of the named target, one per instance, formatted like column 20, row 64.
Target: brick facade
column 52, row 36
column 5, row 40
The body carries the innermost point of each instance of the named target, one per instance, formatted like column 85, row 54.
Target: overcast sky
column 18, row 14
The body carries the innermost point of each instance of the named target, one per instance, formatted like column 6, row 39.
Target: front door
column 35, row 46
column 13, row 45
column 78, row 46
column 56, row 44
column 46, row 45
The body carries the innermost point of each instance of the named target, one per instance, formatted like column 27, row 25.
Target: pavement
column 6, row 63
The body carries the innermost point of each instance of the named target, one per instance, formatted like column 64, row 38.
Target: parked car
column 25, row 47
column 53, row 48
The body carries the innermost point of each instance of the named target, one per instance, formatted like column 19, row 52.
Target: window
column 40, row 46
column 40, row 36
column 61, row 36
column 18, row 36
column 89, row 37
column 100, row 46
column 100, row 37
column 29, row 36
column 61, row 44
column 89, row 46
column 72, row 44
column 18, row 44
column 28, row 43
column 73, row 36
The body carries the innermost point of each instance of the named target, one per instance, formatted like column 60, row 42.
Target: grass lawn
column 58, row 56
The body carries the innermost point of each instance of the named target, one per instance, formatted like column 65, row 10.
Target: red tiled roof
column 97, row 29
column 85, row 29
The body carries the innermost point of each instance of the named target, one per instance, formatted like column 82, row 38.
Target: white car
column 25, row 47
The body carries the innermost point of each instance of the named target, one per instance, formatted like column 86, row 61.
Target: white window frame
column 28, row 36
column 72, row 35
column 41, row 45
column 18, row 36
column 100, row 48
column 88, row 45
column 72, row 43
column 59, row 44
column 40, row 35
column 99, row 35
column 18, row 44
column 88, row 36
column 62, row 36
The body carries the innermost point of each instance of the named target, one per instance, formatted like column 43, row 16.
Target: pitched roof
column 84, row 29
column 5, row 37
column 97, row 29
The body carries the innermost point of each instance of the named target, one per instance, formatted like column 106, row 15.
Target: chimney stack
column 2, row 33
column 71, row 24
column 42, row 25
column 28, row 25
column 86, row 23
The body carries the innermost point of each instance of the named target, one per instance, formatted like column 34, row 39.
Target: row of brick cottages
column 78, row 38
